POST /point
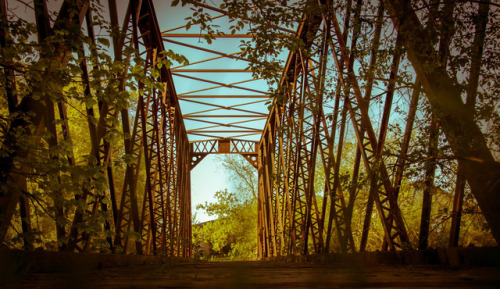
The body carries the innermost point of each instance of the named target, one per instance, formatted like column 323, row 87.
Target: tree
column 242, row 175
column 465, row 136
column 233, row 234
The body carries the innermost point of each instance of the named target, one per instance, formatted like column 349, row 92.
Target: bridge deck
column 267, row 275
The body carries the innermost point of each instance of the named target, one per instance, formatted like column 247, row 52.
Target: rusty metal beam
column 384, row 199
column 223, row 96
column 168, row 216
column 226, row 55
column 288, row 212
column 202, row 35
column 255, row 116
column 205, row 60
column 210, row 70
column 220, row 84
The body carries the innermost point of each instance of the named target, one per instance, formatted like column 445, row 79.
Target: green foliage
column 234, row 233
column 60, row 168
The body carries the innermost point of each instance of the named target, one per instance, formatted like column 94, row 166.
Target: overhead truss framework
column 221, row 100
column 327, row 95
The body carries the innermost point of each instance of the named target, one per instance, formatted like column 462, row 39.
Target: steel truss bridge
column 300, row 133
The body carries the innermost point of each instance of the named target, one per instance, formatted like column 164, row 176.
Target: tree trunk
column 467, row 141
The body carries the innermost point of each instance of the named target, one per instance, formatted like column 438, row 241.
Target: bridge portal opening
column 224, row 193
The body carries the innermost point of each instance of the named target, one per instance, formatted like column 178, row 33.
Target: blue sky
column 206, row 179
